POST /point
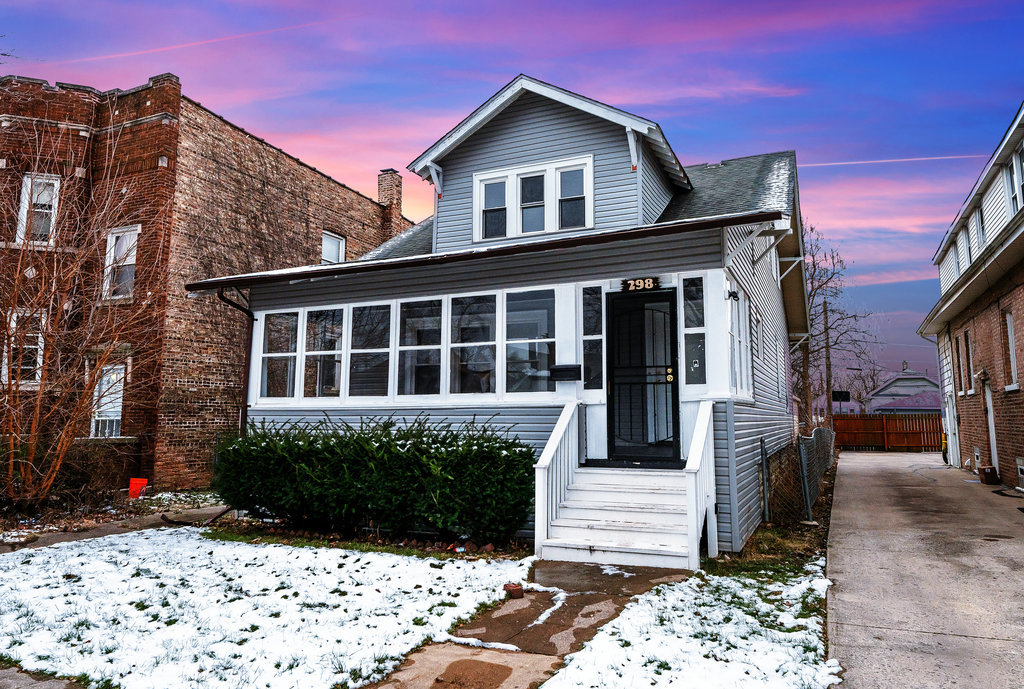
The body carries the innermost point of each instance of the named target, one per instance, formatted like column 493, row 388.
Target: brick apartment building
column 170, row 192
column 979, row 317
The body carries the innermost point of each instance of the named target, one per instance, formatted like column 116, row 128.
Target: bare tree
column 80, row 313
column 835, row 329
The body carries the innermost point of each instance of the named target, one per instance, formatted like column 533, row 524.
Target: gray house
column 628, row 316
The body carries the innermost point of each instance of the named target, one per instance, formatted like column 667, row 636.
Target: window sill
column 970, row 392
column 530, row 235
column 1012, row 388
column 37, row 246
column 127, row 299
column 114, row 439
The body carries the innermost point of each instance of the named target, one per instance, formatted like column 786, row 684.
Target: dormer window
column 519, row 201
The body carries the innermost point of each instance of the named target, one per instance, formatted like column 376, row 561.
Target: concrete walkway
column 928, row 566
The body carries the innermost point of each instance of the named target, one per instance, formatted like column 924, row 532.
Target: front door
column 643, row 380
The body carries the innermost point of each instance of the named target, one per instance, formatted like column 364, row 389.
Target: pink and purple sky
column 926, row 87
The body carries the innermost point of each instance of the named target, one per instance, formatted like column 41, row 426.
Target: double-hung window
column 280, row 351
column 1009, row 348
column 958, row 365
column 694, row 332
column 1015, row 179
column 325, row 337
column 979, row 220
column 593, row 338
column 38, row 211
column 108, row 402
column 530, row 341
column 474, row 344
column 535, row 198
column 419, row 347
column 968, row 363
column 119, row 268
column 370, row 362
column 23, row 348
column 332, row 248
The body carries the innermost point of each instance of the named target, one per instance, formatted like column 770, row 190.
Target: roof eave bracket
column 437, row 177
column 631, row 140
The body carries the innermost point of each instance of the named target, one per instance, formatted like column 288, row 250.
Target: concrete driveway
column 928, row 566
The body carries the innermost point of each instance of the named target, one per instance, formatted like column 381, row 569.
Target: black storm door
column 643, row 375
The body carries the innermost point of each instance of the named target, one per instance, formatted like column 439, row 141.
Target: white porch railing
column 700, row 486
column 555, row 470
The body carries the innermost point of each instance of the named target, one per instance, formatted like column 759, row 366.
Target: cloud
column 886, row 277
column 893, row 160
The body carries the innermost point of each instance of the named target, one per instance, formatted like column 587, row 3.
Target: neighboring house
column 187, row 195
column 629, row 317
column 979, row 312
column 894, row 394
column 820, row 407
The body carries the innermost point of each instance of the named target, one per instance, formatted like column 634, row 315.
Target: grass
column 7, row 661
column 242, row 532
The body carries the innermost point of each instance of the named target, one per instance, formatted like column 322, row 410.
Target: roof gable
column 426, row 162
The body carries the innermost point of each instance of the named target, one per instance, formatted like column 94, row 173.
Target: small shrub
column 471, row 480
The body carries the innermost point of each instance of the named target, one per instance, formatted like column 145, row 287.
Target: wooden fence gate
column 889, row 432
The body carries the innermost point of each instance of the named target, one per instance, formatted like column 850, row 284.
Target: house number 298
column 640, row 284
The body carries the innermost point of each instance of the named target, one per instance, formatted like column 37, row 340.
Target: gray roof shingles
column 416, row 241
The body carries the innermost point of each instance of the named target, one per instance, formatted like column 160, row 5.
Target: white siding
column 993, row 203
column 945, row 365
column 964, row 250
column 535, row 130
column 948, row 271
column 972, row 233
column 655, row 190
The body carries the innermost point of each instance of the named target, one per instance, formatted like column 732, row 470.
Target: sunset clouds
column 880, row 98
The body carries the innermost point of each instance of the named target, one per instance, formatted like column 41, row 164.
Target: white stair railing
column 555, row 470
column 700, row 486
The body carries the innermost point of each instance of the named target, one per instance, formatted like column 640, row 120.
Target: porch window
column 280, row 340
column 530, row 341
column 23, row 348
column 694, row 333
column 119, row 272
column 38, row 210
column 108, row 401
column 419, row 348
column 325, row 337
column 593, row 338
column 370, row 364
column 495, row 210
column 474, row 344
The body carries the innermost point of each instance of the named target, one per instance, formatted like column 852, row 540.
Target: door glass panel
column 693, row 345
column 693, row 302
column 593, row 364
column 592, row 315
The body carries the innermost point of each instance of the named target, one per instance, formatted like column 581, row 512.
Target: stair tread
column 624, row 506
column 611, row 524
column 620, row 488
column 653, row 548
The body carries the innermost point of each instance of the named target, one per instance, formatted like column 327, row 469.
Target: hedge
column 471, row 480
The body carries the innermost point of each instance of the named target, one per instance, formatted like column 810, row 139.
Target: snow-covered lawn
column 712, row 631
column 169, row 609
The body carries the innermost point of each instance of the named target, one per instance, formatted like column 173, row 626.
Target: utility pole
column 828, row 368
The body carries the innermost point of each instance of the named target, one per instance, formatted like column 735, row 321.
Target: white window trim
column 740, row 353
column 120, row 417
column 108, row 261
column 8, row 343
column 511, row 177
column 24, row 208
column 1011, row 346
column 593, row 395
column 691, row 391
column 342, row 249
column 969, row 357
column 564, row 351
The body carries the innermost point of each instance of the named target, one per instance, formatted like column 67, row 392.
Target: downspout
column 243, row 419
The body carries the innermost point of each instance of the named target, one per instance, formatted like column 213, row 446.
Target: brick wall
column 240, row 205
column 984, row 320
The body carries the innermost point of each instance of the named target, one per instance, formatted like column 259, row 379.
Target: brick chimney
column 389, row 195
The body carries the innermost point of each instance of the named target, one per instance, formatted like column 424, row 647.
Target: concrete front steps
column 631, row 517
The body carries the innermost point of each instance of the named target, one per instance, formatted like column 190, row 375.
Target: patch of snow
column 612, row 570
column 559, row 601
column 711, row 631
column 170, row 609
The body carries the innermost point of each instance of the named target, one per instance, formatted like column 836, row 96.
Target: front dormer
column 536, row 161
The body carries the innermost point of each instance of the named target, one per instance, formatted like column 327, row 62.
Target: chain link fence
column 791, row 477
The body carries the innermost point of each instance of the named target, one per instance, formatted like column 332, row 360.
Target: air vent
column 1020, row 472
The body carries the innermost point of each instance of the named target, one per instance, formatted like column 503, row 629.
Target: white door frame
column 952, row 433
column 990, row 419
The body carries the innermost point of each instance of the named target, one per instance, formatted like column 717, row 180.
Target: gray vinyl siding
column 688, row 251
column 723, row 474
column 655, row 191
column 532, row 425
column 768, row 416
column 535, row 130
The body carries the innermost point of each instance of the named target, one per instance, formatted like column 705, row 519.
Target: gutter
column 243, row 416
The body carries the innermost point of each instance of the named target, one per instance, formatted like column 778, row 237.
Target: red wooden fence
column 889, row 432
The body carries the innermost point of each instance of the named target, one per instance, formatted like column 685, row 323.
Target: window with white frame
column 38, row 210
column 332, row 248
column 782, row 369
column 694, row 332
column 593, row 337
column 756, row 335
column 739, row 338
column 958, row 363
column 23, row 348
column 108, row 402
column 370, row 358
column 969, row 362
column 119, row 267
column 1015, row 179
column 1009, row 348
column 956, row 256
column 530, row 341
column 539, row 198
column 324, row 355
column 280, row 351
column 474, row 337
column 419, row 347
column 979, row 221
